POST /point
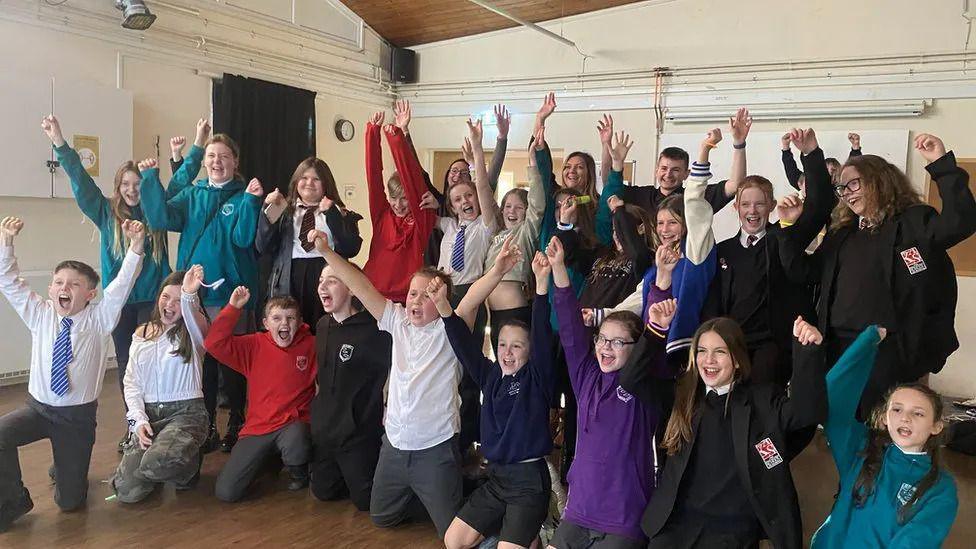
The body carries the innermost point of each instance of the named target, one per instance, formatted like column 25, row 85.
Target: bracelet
column 565, row 226
column 742, row 146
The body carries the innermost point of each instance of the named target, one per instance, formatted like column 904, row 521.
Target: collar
column 218, row 185
column 744, row 237
column 720, row 390
column 300, row 204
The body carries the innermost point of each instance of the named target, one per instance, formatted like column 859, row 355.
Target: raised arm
column 631, row 237
column 638, row 377
column 855, row 140
column 542, row 362
column 89, row 197
column 196, row 321
column 188, row 169
column 26, row 303
column 246, row 224
column 109, row 309
column 162, row 214
column 539, row 189
column 351, row 276
column 378, row 204
column 618, row 152
column 605, row 127
column 268, row 238
column 412, row 179
column 463, row 341
column 345, row 229
column 739, row 126
column 503, row 120
column 793, row 173
column 236, row 352
column 807, row 401
column 698, row 212
column 573, row 335
column 957, row 220
column 508, row 257
column 486, row 195
column 543, row 162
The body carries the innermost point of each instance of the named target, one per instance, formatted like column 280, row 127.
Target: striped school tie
column 457, row 256
column 62, row 356
column 308, row 223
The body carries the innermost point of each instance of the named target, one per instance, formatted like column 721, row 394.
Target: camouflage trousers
column 180, row 429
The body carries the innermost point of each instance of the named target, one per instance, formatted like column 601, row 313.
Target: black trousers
column 346, row 472
column 468, row 389
column 305, row 275
column 133, row 314
column 71, row 430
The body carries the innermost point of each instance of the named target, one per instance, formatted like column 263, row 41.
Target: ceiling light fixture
column 135, row 14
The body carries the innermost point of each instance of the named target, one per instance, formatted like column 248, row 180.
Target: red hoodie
column 396, row 250
column 280, row 381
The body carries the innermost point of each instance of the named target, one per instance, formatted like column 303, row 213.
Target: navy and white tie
column 457, row 256
column 61, row 358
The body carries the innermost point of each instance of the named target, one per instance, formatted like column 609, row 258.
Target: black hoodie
column 353, row 363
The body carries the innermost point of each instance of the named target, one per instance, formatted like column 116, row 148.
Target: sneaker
column 212, row 442
column 299, row 478
column 11, row 511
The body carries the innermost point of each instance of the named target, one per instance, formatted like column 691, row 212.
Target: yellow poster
column 87, row 147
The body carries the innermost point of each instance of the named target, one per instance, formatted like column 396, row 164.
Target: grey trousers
column 71, row 430
column 248, row 455
column 409, row 482
column 180, row 428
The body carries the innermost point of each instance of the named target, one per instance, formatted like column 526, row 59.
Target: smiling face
column 128, row 188
column 169, row 305
column 309, row 187
column 669, row 230
column 575, row 174
column 513, row 348
column 282, row 324
column 671, row 173
column 459, row 172
column 421, row 311
column 753, row 207
column 220, row 162
column 714, row 360
column 855, row 200
column 464, row 201
column 333, row 293
column 910, row 419
column 70, row 291
column 610, row 359
column 513, row 210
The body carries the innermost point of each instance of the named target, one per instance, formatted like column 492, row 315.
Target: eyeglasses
column 616, row 343
column 457, row 171
column 853, row 186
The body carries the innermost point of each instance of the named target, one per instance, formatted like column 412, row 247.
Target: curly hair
column 886, row 189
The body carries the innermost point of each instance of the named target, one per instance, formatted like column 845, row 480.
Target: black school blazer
column 764, row 419
column 916, row 268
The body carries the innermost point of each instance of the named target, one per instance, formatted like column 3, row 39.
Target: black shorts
column 574, row 536
column 516, row 497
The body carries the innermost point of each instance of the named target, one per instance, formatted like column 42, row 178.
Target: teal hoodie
column 96, row 207
column 875, row 524
column 217, row 225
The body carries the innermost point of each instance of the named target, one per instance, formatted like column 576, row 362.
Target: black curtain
column 274, row 125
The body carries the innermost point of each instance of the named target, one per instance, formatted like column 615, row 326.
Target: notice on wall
column 87, row 147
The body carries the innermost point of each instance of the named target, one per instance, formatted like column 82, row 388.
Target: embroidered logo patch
column 228, row 209
column 768, row 452
column 913, row 260
column 345, row 352
column 905, row 493
column 623, row 395
column 514, row 388
column 722, row 263
column 301, row 363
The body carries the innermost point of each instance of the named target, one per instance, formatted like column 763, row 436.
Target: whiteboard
column 82, row 107
column 763, row 157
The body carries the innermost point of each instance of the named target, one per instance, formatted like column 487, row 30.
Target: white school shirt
column 744, row 238
column 423, row 407
column 155, row 374
column 297, row 252
column 477, row 240
column 90, row 331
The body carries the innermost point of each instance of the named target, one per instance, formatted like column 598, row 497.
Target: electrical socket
column 349, row 191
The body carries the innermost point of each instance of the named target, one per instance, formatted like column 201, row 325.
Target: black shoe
column 299, row 477
column 233, row 429
column 212, row 442
column 11, row 511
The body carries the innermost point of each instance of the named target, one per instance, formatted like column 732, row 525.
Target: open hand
column 466, row 150
column 618, row 151
column 402, row 114
column 503, row 121
column 605, row 128
column 739, row 126
column 547, row 108
column 239, row 297
column 508, row 257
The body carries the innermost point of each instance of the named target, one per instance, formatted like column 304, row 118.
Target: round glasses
column 616, row 343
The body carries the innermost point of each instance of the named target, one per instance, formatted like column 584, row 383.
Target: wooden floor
column 273, row 517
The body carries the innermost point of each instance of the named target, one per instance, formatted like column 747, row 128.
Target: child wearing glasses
column 884, row 259
column 610, row 480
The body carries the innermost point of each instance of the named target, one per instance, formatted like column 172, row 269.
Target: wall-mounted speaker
column 403, row 65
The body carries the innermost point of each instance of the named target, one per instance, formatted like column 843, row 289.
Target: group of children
column 689, row 372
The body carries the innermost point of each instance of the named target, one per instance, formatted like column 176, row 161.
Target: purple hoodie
column 611, row 479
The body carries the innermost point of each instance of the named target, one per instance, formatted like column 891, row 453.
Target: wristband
column 742, row 146
column 565, row 226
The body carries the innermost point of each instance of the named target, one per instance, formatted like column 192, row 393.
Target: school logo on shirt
column 623, row 395
column 301, row 363
column 514, row 388
column 905, row 493
column 345, row 352
column 768, row 452
column 228, row 209
column 913, row 260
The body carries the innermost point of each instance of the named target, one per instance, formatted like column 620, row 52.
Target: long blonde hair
column 121, row 211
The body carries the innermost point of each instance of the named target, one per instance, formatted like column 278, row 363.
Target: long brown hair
column 615, row 258
column 688, row 393
column 878, row 442
column 585, row 217
column 675, row 205
column 886, row 189
column 121, row 211
column 590, row 187
column 324, row 174
column 179, row 335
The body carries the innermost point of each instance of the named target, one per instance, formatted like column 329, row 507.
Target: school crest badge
column 913, row 260
column 514, row 388
column 301, row 363
column 227, row 209
column 345, row 352
column 622, row 395
column 905, row 493
column 768, row 452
